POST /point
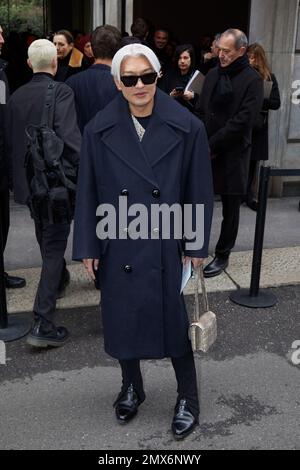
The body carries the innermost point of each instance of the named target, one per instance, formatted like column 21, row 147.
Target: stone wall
column 275, row 24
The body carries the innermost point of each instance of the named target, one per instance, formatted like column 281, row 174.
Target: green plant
column 21, row 15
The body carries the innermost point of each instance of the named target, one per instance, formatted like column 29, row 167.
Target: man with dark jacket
column 231, row 99
column 95, row 88
column 11, row 282
column 25, row 107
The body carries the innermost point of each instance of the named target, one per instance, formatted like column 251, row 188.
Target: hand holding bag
column 203, row 329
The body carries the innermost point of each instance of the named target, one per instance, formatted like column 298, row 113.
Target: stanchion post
column 3, row 306
column 264, row 182
column 256, row 298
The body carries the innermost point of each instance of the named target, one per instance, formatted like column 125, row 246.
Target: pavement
column 280, row 264
column 249, row 387
column 249, row 381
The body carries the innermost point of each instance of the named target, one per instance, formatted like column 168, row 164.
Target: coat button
column 125, row 192
column 156, row 193
column 128, row 269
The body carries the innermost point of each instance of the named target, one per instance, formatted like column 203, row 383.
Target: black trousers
column 53, row 242
column 230, row 224
column 185, row 372
column 4, row 214
column 251, row 180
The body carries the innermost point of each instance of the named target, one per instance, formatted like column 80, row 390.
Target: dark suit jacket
column 26, row 107
column 142, row 309
column 229, row 128
column 93, row 89
column 4, row 177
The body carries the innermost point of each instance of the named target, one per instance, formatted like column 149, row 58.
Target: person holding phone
column 175, row 81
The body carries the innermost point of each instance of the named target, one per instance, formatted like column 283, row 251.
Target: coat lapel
column 159, row 140
column 123, row 141
column 162, row 135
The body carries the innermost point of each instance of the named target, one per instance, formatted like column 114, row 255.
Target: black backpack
column 51, row 180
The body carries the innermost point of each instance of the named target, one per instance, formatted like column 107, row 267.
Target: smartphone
column 179, row 89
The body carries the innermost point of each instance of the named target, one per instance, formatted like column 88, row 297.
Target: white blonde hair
column 41, row 54
column 133, row 50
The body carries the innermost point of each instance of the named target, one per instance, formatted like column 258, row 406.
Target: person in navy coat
column 144, row 148
column 95, row 88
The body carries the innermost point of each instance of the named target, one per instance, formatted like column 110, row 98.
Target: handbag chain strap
column 199, row 274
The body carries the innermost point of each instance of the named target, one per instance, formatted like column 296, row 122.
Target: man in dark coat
column 11, row 282
column 231, row 99
column 143, row 148
column 95, row 87
column 25, row 107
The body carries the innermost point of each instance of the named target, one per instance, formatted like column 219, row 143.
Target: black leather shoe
column 65, row 281
column 12, row 282
column 126, row 405
column 253, row 205
column 44, row 334
column 216, row 267
column 183, row 422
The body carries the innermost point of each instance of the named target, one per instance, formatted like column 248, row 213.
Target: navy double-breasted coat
column 143, row 313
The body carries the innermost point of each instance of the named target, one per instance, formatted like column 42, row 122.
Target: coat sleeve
column 199, row 190
column 86, row 245
column 242, row 120
column 65, row 123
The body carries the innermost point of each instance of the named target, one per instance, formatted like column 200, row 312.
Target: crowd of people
column 125, row 126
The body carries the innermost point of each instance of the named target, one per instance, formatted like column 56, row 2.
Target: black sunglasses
column 131, row 80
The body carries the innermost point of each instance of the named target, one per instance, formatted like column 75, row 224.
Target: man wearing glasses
column 143, row 148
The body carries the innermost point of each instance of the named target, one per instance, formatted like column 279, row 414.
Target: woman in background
column 85, row 47
column 260, row 137
column 175, row 80
column 70, row 59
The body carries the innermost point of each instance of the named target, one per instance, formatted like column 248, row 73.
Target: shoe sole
column 43, row 343
column 21, row 286
column 179, row 437
column 122, row 422
column 207, row 276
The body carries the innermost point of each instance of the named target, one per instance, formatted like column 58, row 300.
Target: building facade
column 276, row 25
column 273, row 23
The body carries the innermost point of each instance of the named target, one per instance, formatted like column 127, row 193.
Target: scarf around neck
column 223, row 91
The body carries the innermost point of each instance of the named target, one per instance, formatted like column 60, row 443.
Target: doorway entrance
column 190, row 20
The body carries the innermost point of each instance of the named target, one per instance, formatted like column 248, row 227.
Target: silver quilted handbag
column 203, row 329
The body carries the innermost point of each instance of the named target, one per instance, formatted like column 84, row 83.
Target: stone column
column 97, row 13
column 113, row 13
column 273, row 24
column 129, row 15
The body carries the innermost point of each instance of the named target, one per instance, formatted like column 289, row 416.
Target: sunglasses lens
column 131, row 80
column 149, row 78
